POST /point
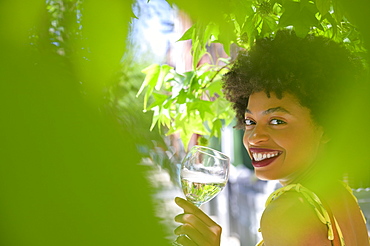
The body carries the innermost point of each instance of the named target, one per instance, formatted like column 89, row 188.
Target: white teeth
column 262, row 156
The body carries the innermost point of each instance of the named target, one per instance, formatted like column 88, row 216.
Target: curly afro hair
column 314, row 69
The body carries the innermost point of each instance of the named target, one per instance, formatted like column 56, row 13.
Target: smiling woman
column 288, row 93
column 284, row 130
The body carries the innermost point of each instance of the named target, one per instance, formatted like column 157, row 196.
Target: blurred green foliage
column 69, row 170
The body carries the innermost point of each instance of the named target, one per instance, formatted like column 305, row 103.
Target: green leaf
column 159, row 100
column 154, row 79
column 185, row 137
column 201, row 107
column 338, row 11
column 152, row 73
column 187, row 127
column 201, row 37
column 265, row 30
column 161, row 116
column 193, row 84
column 271, row 22
column 196, row 52
column 188, row 34
column 164, row 70
column 215, row 88
column 227, row 35
column 334, row 25
column 168, row 103
column 211, row 32
column 219, row 106
column 323, row 6
column 151, row 78
column 155, row 118
column 242, row 10
column 299, row 15
column 216, row 128
column 181, row 98
column 250, row 28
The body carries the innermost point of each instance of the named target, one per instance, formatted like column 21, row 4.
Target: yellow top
column 314, row 200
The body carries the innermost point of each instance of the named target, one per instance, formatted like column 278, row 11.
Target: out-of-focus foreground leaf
column 68, row 172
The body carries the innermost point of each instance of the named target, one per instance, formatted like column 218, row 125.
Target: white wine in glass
column 204, row 174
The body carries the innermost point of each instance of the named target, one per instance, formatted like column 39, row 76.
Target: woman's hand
column 197, row 226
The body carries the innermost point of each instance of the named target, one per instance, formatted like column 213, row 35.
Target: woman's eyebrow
column 271, row 110
column 277, row 109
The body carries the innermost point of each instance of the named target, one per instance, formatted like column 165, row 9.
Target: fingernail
column 177, row 218
column 177, row 200
column 176, row 231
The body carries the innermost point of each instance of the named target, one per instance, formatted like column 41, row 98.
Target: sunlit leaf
column 155, row 118
column 151, row 78
column 249, row 28
column 211, row 31
column 227, row 35
column 159, row 99
column 198, row 52
column 220, row 105
column 242, row 10
column 215, row 88
column 193, row 85
column 152, row 73
column 200, row 106
column 162, row 73
column 188, row 34
column 185, row 137
column 181, row 98
column 216, row 128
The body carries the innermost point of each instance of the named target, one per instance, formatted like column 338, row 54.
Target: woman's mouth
column 263, row 157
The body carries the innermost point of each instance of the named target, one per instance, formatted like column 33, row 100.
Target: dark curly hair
column 315, row 69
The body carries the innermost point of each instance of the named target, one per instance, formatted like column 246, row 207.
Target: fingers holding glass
column 190, row 235
column 183, row 240
column 197, row 226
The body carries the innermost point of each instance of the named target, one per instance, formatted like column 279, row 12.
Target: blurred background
column 101, row 101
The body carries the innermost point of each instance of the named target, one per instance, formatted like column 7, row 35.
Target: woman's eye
column 249, row 122
column 277, row 122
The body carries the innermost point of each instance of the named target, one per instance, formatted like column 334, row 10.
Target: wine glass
column 204, row 174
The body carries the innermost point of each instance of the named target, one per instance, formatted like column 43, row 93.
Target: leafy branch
column 187, row 103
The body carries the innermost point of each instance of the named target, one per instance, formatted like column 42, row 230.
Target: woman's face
column 281, row 137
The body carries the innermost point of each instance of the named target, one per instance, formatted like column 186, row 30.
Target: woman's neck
column 301, row 178
column 315, row 177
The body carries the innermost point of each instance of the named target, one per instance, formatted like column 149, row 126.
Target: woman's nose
column 256, row 136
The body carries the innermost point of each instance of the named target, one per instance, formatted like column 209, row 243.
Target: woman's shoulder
column 293, row 199
column 294, row 216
